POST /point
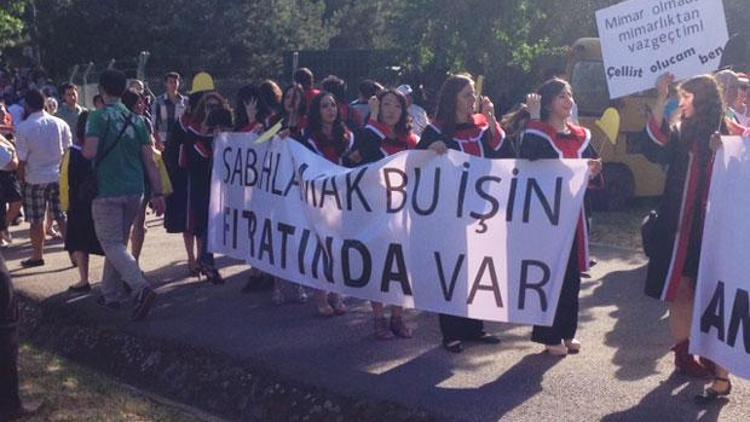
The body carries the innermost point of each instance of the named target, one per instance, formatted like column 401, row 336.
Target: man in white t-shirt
column 41, row 141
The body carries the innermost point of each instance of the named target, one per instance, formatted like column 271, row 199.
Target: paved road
column 623, row 373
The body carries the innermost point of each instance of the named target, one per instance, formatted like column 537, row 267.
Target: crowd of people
column 96, row 172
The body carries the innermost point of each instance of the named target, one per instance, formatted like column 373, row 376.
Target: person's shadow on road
column 667, row 402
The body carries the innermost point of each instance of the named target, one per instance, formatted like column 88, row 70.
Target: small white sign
column 643, row 39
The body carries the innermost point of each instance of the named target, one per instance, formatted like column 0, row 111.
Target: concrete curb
column 207, row 380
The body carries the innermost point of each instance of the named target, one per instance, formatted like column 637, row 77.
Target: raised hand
column 596, row 167
column 374, row 104
column 662, row 85
column 534, row 105
column 251, row 109
column 439, row 147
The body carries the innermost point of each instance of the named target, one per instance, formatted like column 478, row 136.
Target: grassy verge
column 73, row 393
column 621, row 228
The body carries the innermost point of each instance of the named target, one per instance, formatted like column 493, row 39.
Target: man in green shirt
column 70, row 110
column 118, row 141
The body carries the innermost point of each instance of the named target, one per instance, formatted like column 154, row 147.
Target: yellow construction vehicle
column 627, row 173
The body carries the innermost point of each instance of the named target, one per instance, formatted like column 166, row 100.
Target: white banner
column 455, row 234
column 721, row 316
column 643, row 39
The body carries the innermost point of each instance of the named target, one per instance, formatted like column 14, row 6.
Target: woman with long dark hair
column 456, row 126
column 687, row 148
column 265, row 106
column 328, row 137
column 80, row 238
column 550, row 135
column 294, row 111
column 388, row 132
column 175, row 160
column 195, row 142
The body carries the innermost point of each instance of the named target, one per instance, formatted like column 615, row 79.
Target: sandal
column 382, row 331
column 399, row 328
column 194, row 269
column 211, row 273
column 80, row 288
column 487, row 338
column 453, row 346
column 710, row 394
column 339, row 307
column 324, row 309
column 573, row 345
column 301, row 294
column 277, row 297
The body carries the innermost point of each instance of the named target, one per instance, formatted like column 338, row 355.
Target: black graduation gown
column 80, row 235
column 678, row 231
column 474, row 138
column 175, row 217
column 542, row 141
column 376, row 141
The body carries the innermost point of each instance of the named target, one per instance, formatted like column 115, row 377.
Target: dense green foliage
column 510, row 41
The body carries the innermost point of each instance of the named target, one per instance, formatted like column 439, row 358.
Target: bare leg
column 321, row 299
column 14, row 208
column 138, row 234
column 681, row 311
column 62, row 225
column 199, row 246
column 37, row 240
column 378, row 309
column 48, row 221
column 82, row 259
column 189, row 246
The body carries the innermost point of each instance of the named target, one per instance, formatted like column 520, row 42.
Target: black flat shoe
column 112, row 306
column 454, row 346
column 29, row 263
column 80, row 289
column 211, row 273
column 487, row 339
column 710, row 395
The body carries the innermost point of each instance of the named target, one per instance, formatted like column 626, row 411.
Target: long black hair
column 515, row 122
column 315, row 122
column 709, row 114
column 445, row 114
column 301, row 107
column 403, row 126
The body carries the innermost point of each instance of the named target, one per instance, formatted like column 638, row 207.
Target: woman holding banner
column 388, row 132
column 550, row 135
column 675, row 245
column 211, row 114
column 457, row 127
column 328, row 137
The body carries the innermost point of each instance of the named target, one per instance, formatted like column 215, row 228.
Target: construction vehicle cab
column 627, row 172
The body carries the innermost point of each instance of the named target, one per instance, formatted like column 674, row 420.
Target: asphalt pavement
column 623, row 373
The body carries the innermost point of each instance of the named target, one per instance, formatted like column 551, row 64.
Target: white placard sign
column 643, row 39
column 455, row 234
column 721, row 315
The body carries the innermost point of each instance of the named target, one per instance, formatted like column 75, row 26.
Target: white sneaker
column 573, row 345
column 557, row 349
